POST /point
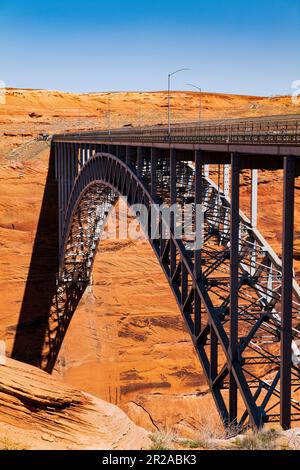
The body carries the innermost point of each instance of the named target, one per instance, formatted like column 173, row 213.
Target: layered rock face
column 40, row 412
column 126, row 342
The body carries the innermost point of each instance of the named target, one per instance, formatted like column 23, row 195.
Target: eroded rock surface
column 38, row 411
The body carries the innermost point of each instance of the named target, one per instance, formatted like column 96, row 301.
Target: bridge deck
column 259, row 136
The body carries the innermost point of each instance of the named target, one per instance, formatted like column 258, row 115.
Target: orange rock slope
column 40, row 412
column 126, row 342
column 27, row 113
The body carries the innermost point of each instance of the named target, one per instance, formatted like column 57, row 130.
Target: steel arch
column 109, row 171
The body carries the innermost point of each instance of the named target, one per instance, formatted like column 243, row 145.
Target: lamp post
column 200, row 101
column 108, row 113
column 140, row 114
column 169, row 104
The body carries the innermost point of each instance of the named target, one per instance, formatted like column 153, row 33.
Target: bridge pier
column 153, row 176
column 287, row 292
column 173, row 200
column 254, row 185
column 226, row 179
column 234, row 281
column 59, row 165
column 197, row 253
column 65, row 183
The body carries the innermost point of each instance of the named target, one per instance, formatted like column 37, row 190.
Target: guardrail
column 260, row 131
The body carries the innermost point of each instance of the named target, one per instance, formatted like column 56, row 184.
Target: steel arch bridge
column 239, row 301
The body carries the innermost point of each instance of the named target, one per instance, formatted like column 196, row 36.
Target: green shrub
column 264, row 440
column 160, row 440
column 191, row 443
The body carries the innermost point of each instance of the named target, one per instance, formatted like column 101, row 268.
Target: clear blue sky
column 240, row 46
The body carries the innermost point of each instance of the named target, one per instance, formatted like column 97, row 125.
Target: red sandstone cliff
column 126, row 343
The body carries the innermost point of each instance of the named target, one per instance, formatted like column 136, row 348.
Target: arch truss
column 239, row 301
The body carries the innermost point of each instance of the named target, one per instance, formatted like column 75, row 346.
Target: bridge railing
column 280, row 131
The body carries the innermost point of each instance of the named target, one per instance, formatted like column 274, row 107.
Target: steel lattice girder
column 200, row 280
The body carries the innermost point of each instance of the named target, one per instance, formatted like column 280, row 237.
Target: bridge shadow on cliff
column 46, row 311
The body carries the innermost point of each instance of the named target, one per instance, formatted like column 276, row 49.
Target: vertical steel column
column 154, row 158
column 65, row 189
column 173, row 178
column 72, row 169
column 121, row 154
column 197, row 257
column 62, row 186
column 59, row 178
column 54, row 146
column 66, row 153
column 234, row 281
column 287, row 291
column 254, row 181
column 154, row 219
column 69, row 167
column 253, row 218
column 130, row 156
column 161, row 235
column 82, row 155
column 226, row 180
column 127, row 161
column 75, row 160
column 80, row 160
column 139, row 163
column 127, row 156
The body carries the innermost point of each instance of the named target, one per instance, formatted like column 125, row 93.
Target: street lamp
column 169, row 107
column 108, row 113
column 200, row 95
column 79, row 119
column 140, row 114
